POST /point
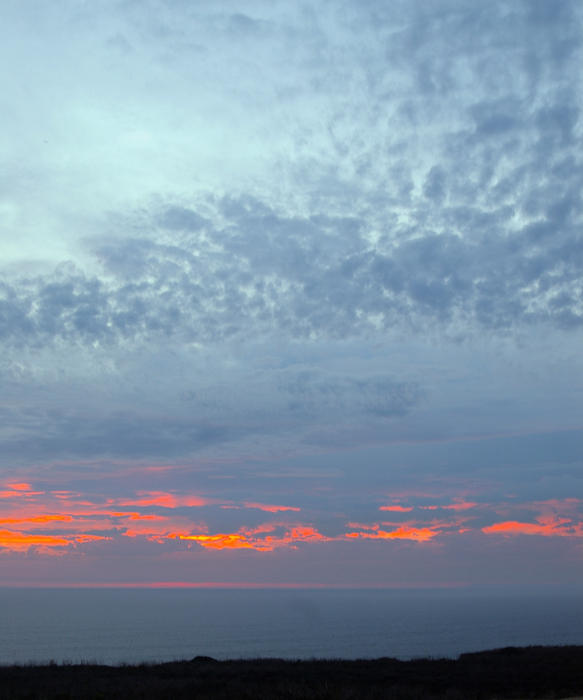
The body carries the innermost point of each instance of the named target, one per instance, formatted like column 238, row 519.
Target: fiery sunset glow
column 56, row 522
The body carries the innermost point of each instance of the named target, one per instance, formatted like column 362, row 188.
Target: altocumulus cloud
column 312, row 277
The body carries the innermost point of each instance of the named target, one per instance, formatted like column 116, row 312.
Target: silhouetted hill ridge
column 510, row 672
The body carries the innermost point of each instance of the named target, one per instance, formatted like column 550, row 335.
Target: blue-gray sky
column 291, row 292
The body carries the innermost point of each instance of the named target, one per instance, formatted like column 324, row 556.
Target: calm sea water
column 133, row 625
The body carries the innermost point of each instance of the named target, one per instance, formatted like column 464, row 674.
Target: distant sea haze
column 118, row 625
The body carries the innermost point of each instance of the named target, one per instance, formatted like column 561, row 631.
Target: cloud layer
column 279, row 256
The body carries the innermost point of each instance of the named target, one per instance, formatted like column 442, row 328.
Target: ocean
column 118, row 625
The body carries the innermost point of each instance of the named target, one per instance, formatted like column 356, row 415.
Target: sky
column 291, row 293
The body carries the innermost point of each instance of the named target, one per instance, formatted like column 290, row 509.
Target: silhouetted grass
column 528, row 672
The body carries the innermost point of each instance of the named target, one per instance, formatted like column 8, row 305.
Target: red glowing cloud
column 459, row 504
column 163, row 499
column 62, row 521
column 18, row 489
column 37, row 519
column 22, row 541
column 23, row 486
column 397, row 509
column 264, row 538
column 223, row 541
column 42, row 520
column 417, row 534
column 545, row 526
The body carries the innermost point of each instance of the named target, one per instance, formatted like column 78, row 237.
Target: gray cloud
column 310, row 392
column 434, row 152
column 318, row 275
column 386, row 175
column 74, row 433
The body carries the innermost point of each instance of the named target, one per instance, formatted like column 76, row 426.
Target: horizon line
column 233, row 585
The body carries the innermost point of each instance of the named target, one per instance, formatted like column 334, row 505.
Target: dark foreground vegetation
column 529, row 672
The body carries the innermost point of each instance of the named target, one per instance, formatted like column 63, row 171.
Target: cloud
column 312, row 277
column 270, row 508
column 547, row 527
column 162, row 498
column 411, row 209
column 246, row 246
column 18, row 541
column 120, row 433
column 310, row 391
column 40, row 523
column 417, row 534
column 397, row 509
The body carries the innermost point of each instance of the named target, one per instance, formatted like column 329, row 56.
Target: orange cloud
column 72, row 517
column 363, row 526
column 222, row 541
column 260, row 538
column 139, row 516
column 259, row 529
column 37, row 519
column 23, row 486
column 161, row 498
column 397, row 509
column 161, row 528
column 546, row 526
column 19, row 493
column 18, row 540
column 418, row 534
column 89, row 538
column 21, row 541
column 270, row 509
column 57, row 521
column 305, row 533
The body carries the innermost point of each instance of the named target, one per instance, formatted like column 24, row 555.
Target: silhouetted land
column 528, row 672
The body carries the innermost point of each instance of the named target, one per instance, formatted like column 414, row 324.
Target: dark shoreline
column 511, row 672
